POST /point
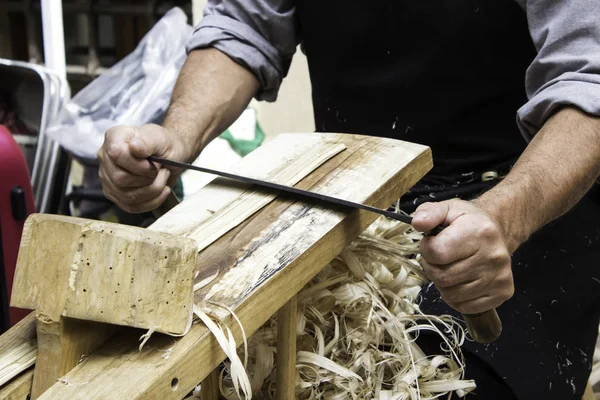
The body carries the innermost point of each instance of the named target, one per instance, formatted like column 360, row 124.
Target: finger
column 444, row 276
column 141, row 195
column 142, row 207
column 430, row 215
column 124, row 179
column 465, row 292
column 456, row 242
column 149, row 140
column 119, row 149
column 477, row 306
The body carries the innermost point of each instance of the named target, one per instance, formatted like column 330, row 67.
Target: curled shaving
column 358, row 320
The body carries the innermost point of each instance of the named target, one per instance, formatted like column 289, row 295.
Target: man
column 448, row 74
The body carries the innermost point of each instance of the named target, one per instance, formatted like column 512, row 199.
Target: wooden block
column 105, row 272
column 62, row 345
column 274, row 254
column 209, row 390
column 287, row 320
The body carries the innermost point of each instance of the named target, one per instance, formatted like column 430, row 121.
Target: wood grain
column 20, row 335
column 222, row 205
column 62, row 345
column 287, row 320
column 273, row 254
column 19, row 388
column 105, row 272
column 209, row 390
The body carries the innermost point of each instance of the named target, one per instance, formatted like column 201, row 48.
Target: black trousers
column 550, row 325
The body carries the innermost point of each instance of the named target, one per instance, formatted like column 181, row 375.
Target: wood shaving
column 357, row 324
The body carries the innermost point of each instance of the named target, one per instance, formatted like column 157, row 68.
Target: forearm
column 558, row 167
column 210, row 94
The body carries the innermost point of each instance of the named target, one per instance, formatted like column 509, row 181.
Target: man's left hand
column 468, row 261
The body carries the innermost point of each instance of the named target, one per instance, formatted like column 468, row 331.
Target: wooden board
column 104, row 272
column 273, row 255
column 232, row 203
column 17, row 339
column 216, row 208
column 287, row 322
column 62, row 345
column 19, row 388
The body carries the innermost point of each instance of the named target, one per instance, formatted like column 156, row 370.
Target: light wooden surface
column 287, row 320
column 209, row 390
column 105, row 272
column 223, row 204
column 19, row 388
column 262, row 263
column 19, row 336
column 62, row 345
column 297, row 157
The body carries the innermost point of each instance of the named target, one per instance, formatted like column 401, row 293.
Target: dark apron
column 450, row 74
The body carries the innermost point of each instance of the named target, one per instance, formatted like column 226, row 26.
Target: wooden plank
column 209, row 390
column 296, row 240
column 16, row 339
column 287, row 320
column 216, row 208
column 19, row 388
column 287, row 166
column 104, row 272
column 62, row 345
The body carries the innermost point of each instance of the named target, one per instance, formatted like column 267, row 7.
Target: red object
column 16, row 203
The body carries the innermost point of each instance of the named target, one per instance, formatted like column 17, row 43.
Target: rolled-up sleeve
column 261, row 35
column 566, row 70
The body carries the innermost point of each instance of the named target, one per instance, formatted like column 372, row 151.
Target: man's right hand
column 128, row 178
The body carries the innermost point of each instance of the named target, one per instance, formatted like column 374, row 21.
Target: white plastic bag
column 135, row 91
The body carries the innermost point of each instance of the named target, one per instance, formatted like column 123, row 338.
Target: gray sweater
column 263, row 36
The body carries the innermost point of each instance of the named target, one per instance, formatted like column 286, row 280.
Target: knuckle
column 488, row 230
column 114, row 149
column 121, row 178
column 433, row 253
column 499, row 257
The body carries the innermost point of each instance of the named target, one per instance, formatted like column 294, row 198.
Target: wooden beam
column 62, row 345
column 17, row 339
column 263, row 263
column 209, row 390
column 287, row 320
column 220, row 206
column 19, row 388
column 76, row 239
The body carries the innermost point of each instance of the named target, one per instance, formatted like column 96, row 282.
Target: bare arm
column 558, row 167
column 470, row 260
column 211, row 92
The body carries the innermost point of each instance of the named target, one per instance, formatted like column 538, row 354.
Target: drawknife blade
column 286, row 189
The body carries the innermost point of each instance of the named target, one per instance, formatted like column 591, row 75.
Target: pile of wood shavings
column 357, row 324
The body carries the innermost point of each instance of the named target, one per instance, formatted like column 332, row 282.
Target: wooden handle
column 485, row 327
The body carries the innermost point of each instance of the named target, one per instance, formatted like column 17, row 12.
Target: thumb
column 148, row 140
column 430, row 215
